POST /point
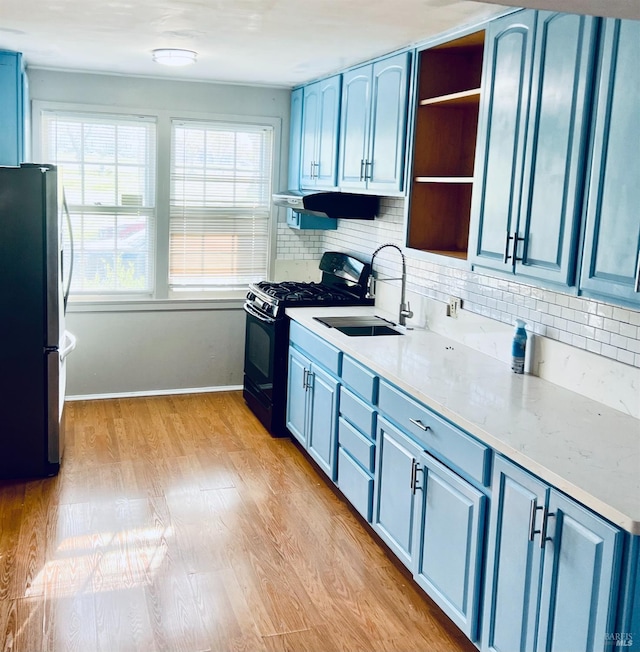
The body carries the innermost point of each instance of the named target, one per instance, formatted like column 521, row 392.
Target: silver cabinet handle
column 417, row 422
column 637, row 284
column 362, row 169
column 532, row 519
column 368, row 165
column 414, row 475
column 304, row 378
column 506, row 258
column 516, row 239
column 543, row 530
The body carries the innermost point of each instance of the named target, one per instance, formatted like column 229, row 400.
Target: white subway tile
column 627, row 357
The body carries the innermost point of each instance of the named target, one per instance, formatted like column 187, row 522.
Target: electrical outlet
column 455, row 304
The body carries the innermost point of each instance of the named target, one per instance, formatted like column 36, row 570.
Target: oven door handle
column 258, row 315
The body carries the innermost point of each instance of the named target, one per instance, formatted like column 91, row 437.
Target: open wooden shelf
column 461, row 255
column 471, row 96
column 446, row 126
column 443, row 180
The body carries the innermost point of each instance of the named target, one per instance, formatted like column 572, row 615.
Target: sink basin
column 360, row 325
column 363, row 331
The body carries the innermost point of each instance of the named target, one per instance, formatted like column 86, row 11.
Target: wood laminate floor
column 178, row 523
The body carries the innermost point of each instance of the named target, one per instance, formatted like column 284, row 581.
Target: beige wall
column 154, row 346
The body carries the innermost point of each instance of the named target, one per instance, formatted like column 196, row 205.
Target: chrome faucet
column 405, row 309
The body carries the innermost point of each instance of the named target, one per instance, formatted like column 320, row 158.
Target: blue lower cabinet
column 514, row 560
column 397, row 502
column 323, row 413
column 449, row 544
column 552, row 570
column 312, row 409
column 579, row 579
column 355, row 483
column 297, row 403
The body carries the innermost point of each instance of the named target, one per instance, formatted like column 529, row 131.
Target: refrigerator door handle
column 65, row 207
column 69, row 346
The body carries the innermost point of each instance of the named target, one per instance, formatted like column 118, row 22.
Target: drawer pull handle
column 417, row 422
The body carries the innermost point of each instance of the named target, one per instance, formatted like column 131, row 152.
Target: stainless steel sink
column 360, row 325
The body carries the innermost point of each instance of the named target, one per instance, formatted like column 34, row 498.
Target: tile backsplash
column 595, row 326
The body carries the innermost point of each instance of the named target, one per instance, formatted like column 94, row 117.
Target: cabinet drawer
column 326, row 354
column 360, row 379
column 443, row 440
column 355, row 484
column 359, row 447
column 357, row 412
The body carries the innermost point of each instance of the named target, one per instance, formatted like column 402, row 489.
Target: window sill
column 228, row 302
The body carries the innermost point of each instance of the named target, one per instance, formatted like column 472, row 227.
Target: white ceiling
column 275, row 42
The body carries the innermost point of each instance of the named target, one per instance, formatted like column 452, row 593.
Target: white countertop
column 582, row 447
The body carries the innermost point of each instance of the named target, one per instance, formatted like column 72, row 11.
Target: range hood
column 342, row 205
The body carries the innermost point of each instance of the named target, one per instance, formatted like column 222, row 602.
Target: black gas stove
column 344, row 282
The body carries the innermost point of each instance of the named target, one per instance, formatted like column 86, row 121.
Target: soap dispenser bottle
column 518, row 347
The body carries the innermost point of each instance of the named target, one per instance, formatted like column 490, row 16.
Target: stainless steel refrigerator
column 34, row 343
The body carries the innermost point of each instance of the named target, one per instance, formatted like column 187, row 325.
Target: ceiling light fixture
column 174, row 57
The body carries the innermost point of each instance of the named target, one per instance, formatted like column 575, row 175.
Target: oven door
column 260, row 350
column 265, row 369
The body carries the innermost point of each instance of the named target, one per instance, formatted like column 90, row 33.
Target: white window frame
column 163, row 298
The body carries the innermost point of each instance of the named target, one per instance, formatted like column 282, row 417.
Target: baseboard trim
column 154, row 392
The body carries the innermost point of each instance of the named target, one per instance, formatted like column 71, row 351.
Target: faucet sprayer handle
column 371, row 286
column 406, row 311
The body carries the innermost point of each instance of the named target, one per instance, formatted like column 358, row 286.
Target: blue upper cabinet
column 13, row 108
column 295, row 139
column 373, row 126
column 320, row 125
column 297, row 220
column 500, row 148
column 550, row 204
column 611, row 260
column 531, row 144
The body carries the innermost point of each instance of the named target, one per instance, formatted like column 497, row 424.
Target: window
column 107, row 168
column 220, row 204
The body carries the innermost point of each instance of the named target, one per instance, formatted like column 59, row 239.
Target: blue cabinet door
column 611, row 259
column 551, row 205
column 386, row 152
column 398, row 501
column 448, row 565
column 297, row 393
column 354, row 126
column 328, row 132
column 579, row 581
column 320, row 124
column 501, row 135
column 373, row 126
column 323, row 419
column 295, row 138
column 514, row 557
column 12, row 108
column 310, row 121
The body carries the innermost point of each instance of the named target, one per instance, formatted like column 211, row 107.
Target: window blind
column 220, row 204
column 107, row 168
